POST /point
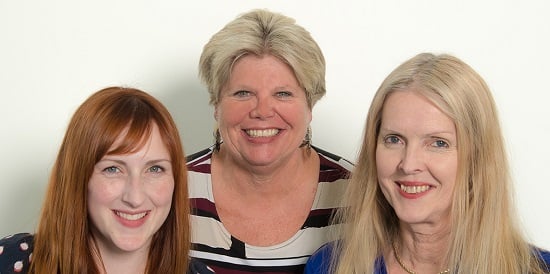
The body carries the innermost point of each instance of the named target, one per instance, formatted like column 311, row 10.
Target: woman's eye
column 440, row 144
column 111, row 169
column 283, row 94
column 392, row 139
column 156, row 169
column 241, row 93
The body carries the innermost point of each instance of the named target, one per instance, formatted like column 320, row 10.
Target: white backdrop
column 54, row 54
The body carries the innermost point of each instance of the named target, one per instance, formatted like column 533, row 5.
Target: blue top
column 319, row 262
column 16, row 252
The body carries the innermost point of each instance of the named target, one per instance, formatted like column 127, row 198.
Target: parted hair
column 262, row 32
column 485, row 235
column 63, row 241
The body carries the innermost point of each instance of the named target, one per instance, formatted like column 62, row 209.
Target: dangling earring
column 217, row 139
column 307, row 139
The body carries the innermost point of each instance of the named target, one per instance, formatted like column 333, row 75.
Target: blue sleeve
column 319, row 262
column 545, row 257
column 15, row 252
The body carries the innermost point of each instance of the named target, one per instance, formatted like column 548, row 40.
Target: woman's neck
column 272, row 180
column 121, row 262
column 423, row 250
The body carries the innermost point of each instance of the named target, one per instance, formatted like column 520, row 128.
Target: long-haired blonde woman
column 431, row 190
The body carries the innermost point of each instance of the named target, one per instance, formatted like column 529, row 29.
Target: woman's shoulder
column 319, row 262
column 197, row 267
column 199, row 161
column 199, row 155
column 15, row 253
column 544, row 255
column 333, row 159
column 333, row 168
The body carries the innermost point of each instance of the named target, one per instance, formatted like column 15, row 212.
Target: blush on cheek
column 163, row 192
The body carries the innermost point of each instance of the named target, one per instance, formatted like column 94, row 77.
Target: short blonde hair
column 261, row 32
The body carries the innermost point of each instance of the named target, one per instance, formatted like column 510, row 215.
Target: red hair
column 63, row 241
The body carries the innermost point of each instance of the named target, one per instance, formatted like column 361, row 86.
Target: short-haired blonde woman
column 431, row 190
column 263, row 195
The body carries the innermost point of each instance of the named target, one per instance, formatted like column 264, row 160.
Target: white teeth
column 262, row 132
column 414, row 189
column 131, row 217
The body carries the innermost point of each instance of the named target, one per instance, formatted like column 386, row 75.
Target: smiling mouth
column 255, row 133
column 414, row 189
column 131, row 217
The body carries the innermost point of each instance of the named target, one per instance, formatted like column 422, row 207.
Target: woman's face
column 416, row 158
column 263, row 112
column 129, row 196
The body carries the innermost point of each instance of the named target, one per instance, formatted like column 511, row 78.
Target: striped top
column 213, row 245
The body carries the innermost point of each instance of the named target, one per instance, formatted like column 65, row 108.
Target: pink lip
column 131, row 223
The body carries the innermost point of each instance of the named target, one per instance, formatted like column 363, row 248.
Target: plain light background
column 54, row 54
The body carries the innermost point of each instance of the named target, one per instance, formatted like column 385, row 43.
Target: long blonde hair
column 63, row 241
column 485, row 237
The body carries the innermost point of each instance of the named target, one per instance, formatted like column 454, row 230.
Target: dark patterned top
column 16, row 255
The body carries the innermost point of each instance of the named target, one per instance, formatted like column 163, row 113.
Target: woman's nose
column 134, row 194
column 412, row 160
column 263, row 108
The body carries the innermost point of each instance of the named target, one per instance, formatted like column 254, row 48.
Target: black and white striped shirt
column 213, row 245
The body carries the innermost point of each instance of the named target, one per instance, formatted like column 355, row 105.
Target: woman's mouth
column 130, row 217
column 255, row 133
column 414, row 189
